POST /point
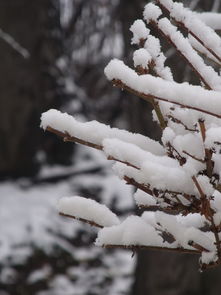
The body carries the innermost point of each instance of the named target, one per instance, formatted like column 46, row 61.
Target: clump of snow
column 87, row 209
column 141, row 58
column 139, row 30
column 144, row 199
column 134, row 231
column 151, row 12
column 152, row 45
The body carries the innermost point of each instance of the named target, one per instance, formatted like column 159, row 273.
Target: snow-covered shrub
column 178, row 180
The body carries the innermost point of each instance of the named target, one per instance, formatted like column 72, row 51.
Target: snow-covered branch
column 178, row 181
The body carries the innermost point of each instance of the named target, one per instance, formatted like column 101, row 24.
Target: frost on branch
column 178, row 180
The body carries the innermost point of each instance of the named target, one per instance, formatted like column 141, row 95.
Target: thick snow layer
column 158, row 176
column 144, row 199
column 200, row 48
column 179, row 93
column 212, row 19
column 96, row 132
column 213, row 135
column 133, row 231
column 182, row 143
column 194, row 24
column 206, row 72
column 128, row 152
column 87, row 209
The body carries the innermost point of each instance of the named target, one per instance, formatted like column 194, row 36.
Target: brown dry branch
column 155, row 104
column 208, row 153
column 208, row 213
column 194, row 157
column 90, row 222
column 118, row 83
column 68, row 138
column 175, row 120
column 142, row 247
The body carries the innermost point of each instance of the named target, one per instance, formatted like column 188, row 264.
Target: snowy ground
column 30, row 223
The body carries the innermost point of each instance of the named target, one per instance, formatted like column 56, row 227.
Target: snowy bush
column 178, row 180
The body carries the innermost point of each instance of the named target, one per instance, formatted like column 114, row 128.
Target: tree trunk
column 29, row 79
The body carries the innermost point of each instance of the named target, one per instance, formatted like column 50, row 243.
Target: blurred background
column 53, row 53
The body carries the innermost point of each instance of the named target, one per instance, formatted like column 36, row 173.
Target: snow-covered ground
column 29, row 220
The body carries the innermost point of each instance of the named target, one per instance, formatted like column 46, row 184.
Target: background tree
column 31, row 43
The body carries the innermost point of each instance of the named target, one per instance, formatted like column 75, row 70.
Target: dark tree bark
column 28, row 85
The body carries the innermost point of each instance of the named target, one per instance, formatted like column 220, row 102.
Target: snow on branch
column 195, row 26
column 93, row 133
column 88, row 211
column 148, row 86
column 178, row 181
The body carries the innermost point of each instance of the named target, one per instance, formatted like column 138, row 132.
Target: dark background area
column 64, row 49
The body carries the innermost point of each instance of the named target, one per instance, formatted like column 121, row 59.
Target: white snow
column 87, row 209
column 151, row 12
column 144, row 199
column 194, row 97
column 212, row 19
column 133, row 231
column 96, row 132
column 207, row 73
column 195, row 25
column 141, row 58
column 139, row 30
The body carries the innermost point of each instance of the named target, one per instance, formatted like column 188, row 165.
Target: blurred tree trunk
column 29, row 79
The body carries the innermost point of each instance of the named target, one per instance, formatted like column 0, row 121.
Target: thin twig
column 194, row 157
column 148, row 97
column 168, row 38
column 208, row 153
column 69, row 138
column 141, row 247
column 90, row 222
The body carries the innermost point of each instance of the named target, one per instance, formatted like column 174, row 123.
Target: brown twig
column 149, row 97
column 175, row 120
column 90, row 222
column 141, row 247
column 194, row 157
column 69, row 138
column 208, row 213
column 208, row 153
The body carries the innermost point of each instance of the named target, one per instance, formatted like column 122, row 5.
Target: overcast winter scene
column 110, row 147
